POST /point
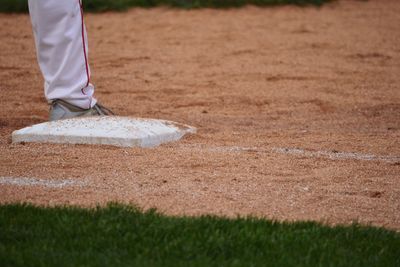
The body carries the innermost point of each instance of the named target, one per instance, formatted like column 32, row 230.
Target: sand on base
column 297, row 110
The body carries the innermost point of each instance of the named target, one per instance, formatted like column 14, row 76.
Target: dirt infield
column 298, row 111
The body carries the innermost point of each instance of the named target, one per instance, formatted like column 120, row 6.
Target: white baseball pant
column 62, row 50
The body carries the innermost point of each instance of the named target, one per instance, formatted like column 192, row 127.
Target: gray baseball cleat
column 60, row 109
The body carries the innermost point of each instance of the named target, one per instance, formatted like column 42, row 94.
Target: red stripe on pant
column 84, row 47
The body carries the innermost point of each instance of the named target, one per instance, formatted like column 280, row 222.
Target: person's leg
column 62, row 51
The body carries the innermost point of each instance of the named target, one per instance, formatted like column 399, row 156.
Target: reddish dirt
column 318, row 79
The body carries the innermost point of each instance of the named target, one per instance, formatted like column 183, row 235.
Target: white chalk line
column 25, row 181
column 337, row 155
column 333, row 155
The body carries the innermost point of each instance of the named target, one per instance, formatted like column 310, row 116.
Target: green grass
column 21, row 6
column 124, row 236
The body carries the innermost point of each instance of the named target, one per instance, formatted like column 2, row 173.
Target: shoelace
column 102, row 110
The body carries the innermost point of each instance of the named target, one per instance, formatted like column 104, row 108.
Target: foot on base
column 60, row 109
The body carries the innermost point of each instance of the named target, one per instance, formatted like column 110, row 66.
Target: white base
column 107, row 130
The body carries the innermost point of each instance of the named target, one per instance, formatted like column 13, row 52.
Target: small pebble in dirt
column 375, row 194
